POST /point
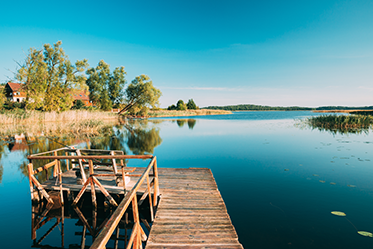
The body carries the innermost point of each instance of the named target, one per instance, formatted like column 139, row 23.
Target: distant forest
column 278, row 108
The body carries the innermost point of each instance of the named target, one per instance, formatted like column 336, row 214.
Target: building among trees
column 15, row 93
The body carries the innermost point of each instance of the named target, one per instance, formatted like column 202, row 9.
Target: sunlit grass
column 75, row 123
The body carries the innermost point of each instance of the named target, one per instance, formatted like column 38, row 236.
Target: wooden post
column 84, row 177
column 104, row 191
column 82, row 242
column 136, row 220
column 116, row 238
column 67, row 161
column 150, row 198
column 94, row 221
column 30, row 169
column 62, row 227
column 41, row 189
column 81, row 192
column 156, row 183
column 93, row 193
column 33, row 228
column 55, row 168
column 115, row 170
column 124, row 180
column 60, row 180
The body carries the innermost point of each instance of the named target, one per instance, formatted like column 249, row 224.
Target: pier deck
column 191, row 212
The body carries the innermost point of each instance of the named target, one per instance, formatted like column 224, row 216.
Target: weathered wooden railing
column 70, row 159
column 137, row 233
column 103, row 237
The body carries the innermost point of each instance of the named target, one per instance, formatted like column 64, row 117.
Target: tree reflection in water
column 191, row 123
column 130, row 136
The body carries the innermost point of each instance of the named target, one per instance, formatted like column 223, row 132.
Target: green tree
column 191, row 105
column 141, row 93
column 116, row 85
column 79, row 104
column 181, row 106
column 2, row 96
column 171, row 108
column 106, row 89
column 49, row 76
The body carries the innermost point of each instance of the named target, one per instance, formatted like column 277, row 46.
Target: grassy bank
column 167, row 113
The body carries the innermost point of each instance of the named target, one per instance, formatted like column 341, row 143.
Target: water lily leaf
column 338, row 213
column 364, row 233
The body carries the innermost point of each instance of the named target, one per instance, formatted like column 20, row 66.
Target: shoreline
column 342, row 111
column 186, row 113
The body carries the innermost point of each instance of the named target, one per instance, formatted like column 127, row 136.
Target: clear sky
column 267, row 52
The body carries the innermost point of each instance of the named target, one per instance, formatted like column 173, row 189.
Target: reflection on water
column 191, row 123
column 280, row 182
column 77, row 227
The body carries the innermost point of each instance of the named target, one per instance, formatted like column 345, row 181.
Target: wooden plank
column 191, row 213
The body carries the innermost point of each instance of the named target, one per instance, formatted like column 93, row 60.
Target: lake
column 279, row 178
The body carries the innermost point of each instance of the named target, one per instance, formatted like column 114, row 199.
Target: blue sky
column 279, row 53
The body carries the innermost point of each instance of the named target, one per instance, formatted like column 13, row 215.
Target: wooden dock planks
column 191, row 212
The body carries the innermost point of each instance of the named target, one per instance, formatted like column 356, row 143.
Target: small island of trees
column 181, row 106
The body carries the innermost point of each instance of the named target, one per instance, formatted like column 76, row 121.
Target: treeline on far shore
column 247, row 107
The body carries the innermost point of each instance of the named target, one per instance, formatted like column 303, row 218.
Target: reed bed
column 167, row 113
column 82, row 128
column 73, row 123
column 341, row 121
column 25, row 117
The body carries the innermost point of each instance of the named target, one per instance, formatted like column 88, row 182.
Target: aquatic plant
column 341, row 123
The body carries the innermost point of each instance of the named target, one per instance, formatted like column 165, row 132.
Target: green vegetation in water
column 341, row 123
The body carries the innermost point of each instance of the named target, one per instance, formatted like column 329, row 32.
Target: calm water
column 280, row 181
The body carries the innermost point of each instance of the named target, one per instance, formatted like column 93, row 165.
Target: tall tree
column 106, row 89
column 181, row 106
column 191, row 105
column 141, row 94
column 49, row 77
column 2, row 96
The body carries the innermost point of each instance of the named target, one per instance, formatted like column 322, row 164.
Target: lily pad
column 338, row 213
column 366, row 234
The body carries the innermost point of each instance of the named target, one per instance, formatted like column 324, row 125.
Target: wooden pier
column 191, row 212
column 185, row 205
